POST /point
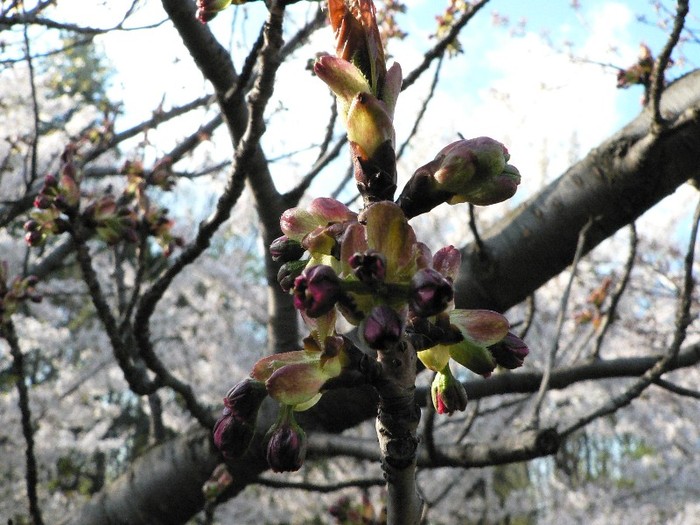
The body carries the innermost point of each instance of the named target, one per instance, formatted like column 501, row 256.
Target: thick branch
column 616, row 183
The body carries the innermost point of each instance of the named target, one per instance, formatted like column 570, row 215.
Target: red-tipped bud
column 447, row 393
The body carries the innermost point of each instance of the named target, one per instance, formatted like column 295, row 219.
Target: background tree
column 112, row 383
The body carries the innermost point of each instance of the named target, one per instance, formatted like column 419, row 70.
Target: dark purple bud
column 511, row 352
column 234, row 430
column 382, row 327
column 288, row 272
column 369, row 267
column 286, row 443
column 317, row 290
column 430, row 293
column 285, row 249
column 31, row 225
column 50, row 182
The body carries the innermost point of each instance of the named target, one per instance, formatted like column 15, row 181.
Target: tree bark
column 613, row 185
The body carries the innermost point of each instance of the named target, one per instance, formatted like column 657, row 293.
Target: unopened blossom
column 430, row 293
column 447, row 261
column 317, row 290
column 234, row 430
column 480, row 329
column 468, row 170
column 447, row 393
column 382, row 327
column 510, row 352
column 286, row 443
column 285, row 249
column 369, row 266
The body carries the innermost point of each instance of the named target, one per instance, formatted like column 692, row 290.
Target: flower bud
column 511, row 352
column 369, row 267
column 316, row 290
column 208, row 9
column 447, row 393
column 447, row 261
column 285, row 249
column 382, row 327
column 234, row 430
column 286, row 443
column 430, row 293
column 288, row 272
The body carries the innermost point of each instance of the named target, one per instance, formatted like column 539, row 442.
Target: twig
column 551, row 356
column 681, row 391
column 438, row 49
column 28, row 181
column 619, row 290
column 423, row 109
column 7, row 331
column 664, row 364
column 658, row 76
column 315, row 487
column 479, row 244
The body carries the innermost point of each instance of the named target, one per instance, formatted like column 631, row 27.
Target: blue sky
column 515, row 83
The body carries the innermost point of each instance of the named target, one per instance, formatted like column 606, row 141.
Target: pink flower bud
column 208, row 9
column 446, row 261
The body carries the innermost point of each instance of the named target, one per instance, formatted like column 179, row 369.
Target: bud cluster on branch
column 368, row 267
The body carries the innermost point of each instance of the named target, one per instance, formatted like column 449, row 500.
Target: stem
column 396, row 425
column 7, row 331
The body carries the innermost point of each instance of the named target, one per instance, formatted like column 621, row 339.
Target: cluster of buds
column 296, row 380
column 14, row 292
column 57, row 200
column 113, row 219
column 370, row 269
column 468, row 170
column 366, row 92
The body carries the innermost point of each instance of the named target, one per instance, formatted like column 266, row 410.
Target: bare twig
column 662, row 61
column 325, row 488
column 7, row 331
column 683, row 319
column 551, row 356
column 423, row 109
column 617, row 293
column 681, row 391
column 439, row 48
